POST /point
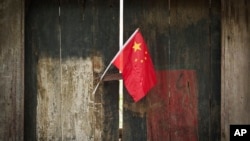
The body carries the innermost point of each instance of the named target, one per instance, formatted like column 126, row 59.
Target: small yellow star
column 137, row 46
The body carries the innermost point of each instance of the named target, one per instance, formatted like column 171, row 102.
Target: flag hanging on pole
column 136, row 66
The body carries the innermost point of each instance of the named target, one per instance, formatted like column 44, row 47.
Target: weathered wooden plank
column 78, row 105
column 88, row 33
column 190, row 48
column 182, row 40
column 235, row 65
column 110, row 98
column 49, row 111
column 65, row 56
column 110, row 77
column 215, row 94
column 105, row 44
column 172, row 108
column 152, row 19
column 11, row 69
column 43, row 115
column 83, row 112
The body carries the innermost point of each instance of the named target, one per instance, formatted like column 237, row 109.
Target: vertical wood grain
column 215, row 89
column 180, row 35
column 235, row 65
column 152, row 17
column 11, row 69
column 195, row 44
column 42, row 71
column 68, row 45
column 172, row 108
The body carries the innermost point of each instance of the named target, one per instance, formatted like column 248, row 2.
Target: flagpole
column 121, row 81
column 121, row 25
column 102, row 76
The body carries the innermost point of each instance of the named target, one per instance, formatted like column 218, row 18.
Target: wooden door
column 68, row 44
column 184, row 39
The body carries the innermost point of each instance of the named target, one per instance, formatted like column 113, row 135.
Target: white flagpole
column 121, row 81
column 121, row 25
column 102, row 76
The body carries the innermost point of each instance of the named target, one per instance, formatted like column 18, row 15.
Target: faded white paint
column 66, row 109
column 48, row 99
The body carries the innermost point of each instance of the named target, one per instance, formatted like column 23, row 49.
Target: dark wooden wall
column 235, row 65
column 11, row 69
column 68, row 44
column 66, row 51
column 184, row 40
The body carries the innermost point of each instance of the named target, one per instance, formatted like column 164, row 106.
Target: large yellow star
column 137, row 46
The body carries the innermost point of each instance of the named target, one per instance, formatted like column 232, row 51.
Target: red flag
column 136, row 66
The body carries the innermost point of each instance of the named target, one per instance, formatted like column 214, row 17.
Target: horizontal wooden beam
column 111, row 77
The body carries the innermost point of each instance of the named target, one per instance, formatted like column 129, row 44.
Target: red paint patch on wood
column 172, row 114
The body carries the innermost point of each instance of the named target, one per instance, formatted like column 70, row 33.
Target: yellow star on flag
column 137, row 46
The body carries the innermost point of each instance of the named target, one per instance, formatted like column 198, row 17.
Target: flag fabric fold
column 136, row 66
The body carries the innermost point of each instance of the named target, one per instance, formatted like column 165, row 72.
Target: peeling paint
column 66, row 109
column 97, row 64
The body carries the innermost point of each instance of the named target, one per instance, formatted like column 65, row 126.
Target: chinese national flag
column 136, row 67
